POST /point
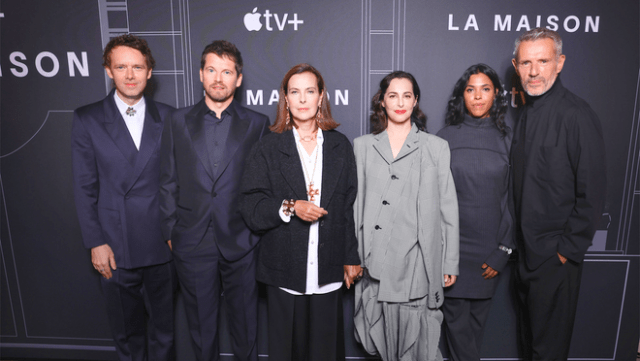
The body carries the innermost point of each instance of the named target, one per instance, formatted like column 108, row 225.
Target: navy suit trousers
column 205, row 275
column 140, row 308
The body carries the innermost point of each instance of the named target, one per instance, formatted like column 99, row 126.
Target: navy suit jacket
column 116, row 186
column 192, row 198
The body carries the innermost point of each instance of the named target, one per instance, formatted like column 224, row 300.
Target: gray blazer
column 402, row 203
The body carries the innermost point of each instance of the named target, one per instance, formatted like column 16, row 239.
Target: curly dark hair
column 326, row 122
column 131, row 41
column 379, row 119
column 223, row 48
column 456, row 108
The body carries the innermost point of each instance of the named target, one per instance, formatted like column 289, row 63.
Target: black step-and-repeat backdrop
column 50, row 56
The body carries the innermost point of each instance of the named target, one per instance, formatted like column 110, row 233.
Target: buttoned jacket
column 406, row 214
column 193, row 196
column 563, row 188
column 274, row 173
column 116, row 185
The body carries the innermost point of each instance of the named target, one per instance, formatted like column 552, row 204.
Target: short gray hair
column 537, row 34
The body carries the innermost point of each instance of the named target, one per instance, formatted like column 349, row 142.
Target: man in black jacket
column 203, row 154
column 559, row 191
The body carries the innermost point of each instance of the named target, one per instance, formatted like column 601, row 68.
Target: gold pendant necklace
column 311, row 193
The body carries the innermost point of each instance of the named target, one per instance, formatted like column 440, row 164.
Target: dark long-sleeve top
column 274, row 173
column 480, row 167
column 559, row 176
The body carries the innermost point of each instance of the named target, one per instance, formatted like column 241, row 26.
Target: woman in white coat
column 406, row 217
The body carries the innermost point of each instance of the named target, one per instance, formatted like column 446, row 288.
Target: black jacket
column 274, row 173
column 193, row 196
column 559, row 176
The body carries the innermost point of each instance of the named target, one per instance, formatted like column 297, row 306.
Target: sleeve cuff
column 497, row 259
column 450, row 269
column 283, row 216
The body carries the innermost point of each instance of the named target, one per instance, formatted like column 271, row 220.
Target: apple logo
column 252, row 20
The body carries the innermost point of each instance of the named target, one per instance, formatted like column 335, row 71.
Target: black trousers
column 548, row 298
column 132, row 295
column 464, row 320
column 204, row 274
column 306, row 327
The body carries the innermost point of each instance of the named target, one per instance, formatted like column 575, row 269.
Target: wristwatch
column 505, row 249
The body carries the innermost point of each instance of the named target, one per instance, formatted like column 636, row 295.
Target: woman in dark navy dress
column 479, row 141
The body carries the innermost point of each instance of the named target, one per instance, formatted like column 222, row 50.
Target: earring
column 288, row 120
column 319, row 117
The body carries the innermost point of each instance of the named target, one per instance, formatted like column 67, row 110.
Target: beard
column 539, row 90
column 219, row 96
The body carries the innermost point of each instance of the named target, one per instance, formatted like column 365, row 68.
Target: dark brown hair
column 326, row 122
column 379, row 116
column 223, row 48
column 131, row 41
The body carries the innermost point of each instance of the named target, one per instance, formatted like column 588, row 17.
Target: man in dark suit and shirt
column 204, row 148
column 559, row 186
column 116, row 169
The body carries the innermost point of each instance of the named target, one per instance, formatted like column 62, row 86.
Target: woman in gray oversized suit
column 406, row 217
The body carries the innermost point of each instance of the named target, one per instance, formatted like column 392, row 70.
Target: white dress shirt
column 312, row 253
column 135, row 123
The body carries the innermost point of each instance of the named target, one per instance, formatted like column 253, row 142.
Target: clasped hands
column 307, row 211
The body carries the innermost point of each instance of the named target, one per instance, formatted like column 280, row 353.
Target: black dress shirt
column 217, row 131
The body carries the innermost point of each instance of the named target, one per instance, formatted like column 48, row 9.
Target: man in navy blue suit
column 204, row 148
column 116, row 169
